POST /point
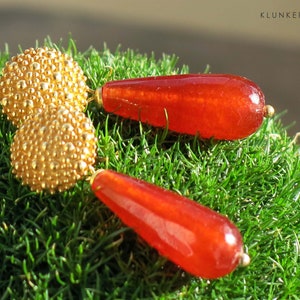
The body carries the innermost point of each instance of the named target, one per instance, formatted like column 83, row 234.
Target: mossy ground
column 70, row 246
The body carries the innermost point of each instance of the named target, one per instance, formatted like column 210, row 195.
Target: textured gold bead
column 43, row 76
column 48, row 153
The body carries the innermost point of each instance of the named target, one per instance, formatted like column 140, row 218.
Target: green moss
column 70, row 246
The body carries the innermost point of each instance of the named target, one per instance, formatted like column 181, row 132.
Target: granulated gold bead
column 48, row 153
column 40, row 77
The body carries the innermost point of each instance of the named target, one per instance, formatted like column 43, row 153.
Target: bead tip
column 269, row 111
column 98, row 96
column 244, row 260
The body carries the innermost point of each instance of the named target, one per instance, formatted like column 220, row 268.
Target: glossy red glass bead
column 220, row 106
column 198, row 239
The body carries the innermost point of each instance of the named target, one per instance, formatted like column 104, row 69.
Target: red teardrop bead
column 220, row 106
column 201, row 241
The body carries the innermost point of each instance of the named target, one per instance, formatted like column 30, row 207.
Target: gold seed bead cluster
column 37, row 78
column 53, row 149
column 43, row 92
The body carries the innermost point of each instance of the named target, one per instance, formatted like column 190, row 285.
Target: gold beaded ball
column 38, row 77
column 53, row 149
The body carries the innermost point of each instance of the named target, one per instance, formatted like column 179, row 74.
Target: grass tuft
column 70, row 246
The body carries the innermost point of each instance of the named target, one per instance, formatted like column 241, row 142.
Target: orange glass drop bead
column 198, row 239
column 220, row 106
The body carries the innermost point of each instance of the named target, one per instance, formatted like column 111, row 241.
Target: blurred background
column 246, row 38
